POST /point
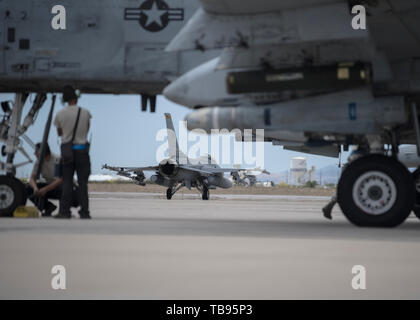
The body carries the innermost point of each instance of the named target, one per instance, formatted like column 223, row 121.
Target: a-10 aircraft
column 102, row 46
column 339, row 83
column 178, row 171
column 107, row 46
column 297, row 69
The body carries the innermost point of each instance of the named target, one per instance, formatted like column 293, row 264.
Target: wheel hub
column 7, row 196
column 374, row 192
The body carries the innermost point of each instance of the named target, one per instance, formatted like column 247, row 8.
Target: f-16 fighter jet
column 175, row 174
column 247, row 177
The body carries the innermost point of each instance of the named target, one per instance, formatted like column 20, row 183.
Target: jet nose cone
column 177, row 91
column 201, row 86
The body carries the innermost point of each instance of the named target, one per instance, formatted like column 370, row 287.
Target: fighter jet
column 178, row 171
column 247, row 177
column 335, row 81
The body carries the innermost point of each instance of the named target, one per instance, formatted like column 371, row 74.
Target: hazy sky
column 122, row 135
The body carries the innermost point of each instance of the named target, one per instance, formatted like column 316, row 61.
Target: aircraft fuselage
column 107, row 47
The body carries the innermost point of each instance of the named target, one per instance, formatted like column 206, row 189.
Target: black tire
column 206, row 193
column 12, row 195
column 416, row 211
column 169, row 194
column 355, row 202
column 416, row 179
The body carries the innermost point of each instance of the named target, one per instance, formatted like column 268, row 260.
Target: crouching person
column 40, row 193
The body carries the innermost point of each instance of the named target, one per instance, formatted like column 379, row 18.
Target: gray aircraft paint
column 108, row 46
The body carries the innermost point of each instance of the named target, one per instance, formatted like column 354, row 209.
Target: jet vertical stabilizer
column 173, row 148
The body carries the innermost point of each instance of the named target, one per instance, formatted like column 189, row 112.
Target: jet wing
column 393, row 25
column 209, row 171
column 130, row 169
column 233, row 24
column 134, row 173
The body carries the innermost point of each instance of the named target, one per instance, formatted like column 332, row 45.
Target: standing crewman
column 73, row 123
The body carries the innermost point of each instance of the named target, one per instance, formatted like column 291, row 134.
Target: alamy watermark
column 58, row 22
column 216, row 148
column 58, row 281
column 358, row 281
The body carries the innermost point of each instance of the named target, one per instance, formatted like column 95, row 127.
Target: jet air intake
column 168, row 168
column 321, row 78
column 158, row 179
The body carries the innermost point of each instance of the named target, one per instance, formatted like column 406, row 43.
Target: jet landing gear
column 205, row 195
column 172, row 190
column 204, row 191
column 11, row 195
column 12, row 134
column 169, row 194
column 376, row 191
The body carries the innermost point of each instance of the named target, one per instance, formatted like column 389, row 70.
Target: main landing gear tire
column 169, row 194
column 11, row 195
column 376, row 191
column 206, row 193
column 416, row 178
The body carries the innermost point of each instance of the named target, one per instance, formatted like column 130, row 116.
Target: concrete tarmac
column 142, row 246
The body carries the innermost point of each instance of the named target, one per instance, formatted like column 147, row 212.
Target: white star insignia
column 154, row 14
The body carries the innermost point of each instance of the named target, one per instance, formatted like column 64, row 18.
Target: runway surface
column 143, row 246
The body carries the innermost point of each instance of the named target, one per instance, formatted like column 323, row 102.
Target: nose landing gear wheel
column 376, row 191
column 169, row 193
column 11, row 195
column 206, row 193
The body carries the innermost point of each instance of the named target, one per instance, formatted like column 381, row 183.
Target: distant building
column 298, row 169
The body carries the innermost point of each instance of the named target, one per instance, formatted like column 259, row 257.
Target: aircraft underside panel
column 107, row 46
column 149, row 61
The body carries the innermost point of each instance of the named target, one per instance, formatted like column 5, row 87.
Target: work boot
column 49, row 210
column 327, row 210
column 84, row 214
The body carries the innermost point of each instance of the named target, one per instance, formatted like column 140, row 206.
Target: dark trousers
column 80, row 165
column 42, row 203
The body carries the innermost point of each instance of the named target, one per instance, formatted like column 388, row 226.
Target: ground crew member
column 327, row 210
column 73, row 123
column 40, row 192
